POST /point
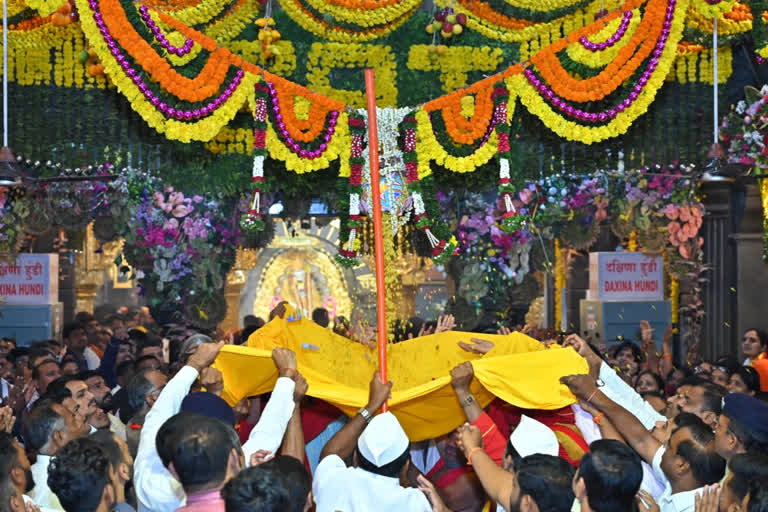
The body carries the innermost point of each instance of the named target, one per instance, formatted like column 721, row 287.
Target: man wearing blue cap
column 742, row 427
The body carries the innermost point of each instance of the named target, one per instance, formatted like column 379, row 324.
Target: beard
column 106, row 403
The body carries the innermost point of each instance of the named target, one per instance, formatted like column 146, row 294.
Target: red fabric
column 572, row 433
column 505, row 415
column 449, row 477
column 316, row 415
column 244, row 430
column 494, row 442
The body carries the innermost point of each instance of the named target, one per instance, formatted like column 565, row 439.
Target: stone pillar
column 751, row 270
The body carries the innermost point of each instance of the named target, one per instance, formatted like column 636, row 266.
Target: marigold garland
column 206, row 84
column 600, row 59
column 204, row 129
column 571, row 130
column 321, row 28
column 44, row 7
column 349, row 12
column 628, row 59
column 202, row 11
column 712, row 8
column 230, row 26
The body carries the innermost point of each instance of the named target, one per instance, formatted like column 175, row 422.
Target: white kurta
column 339, row 488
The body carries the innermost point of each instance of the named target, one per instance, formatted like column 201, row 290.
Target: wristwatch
column 468, row 401
column 599, row 383
column 365, row 414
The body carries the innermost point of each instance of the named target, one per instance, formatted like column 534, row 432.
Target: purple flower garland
column 180, row 52
column 615, row 38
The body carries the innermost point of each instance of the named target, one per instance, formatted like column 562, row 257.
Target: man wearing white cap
column 380, row 452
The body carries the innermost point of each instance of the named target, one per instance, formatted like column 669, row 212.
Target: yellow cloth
column 519, row 370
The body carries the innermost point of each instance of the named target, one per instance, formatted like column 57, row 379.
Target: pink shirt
column 208, row 502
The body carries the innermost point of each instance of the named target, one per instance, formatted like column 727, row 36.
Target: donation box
column 624, row 288
column 29, row 298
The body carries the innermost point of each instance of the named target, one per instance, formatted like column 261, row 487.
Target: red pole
column 373, row 147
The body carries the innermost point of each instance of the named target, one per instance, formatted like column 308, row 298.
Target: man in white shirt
column 156, row 489
column 382, row 460
column 687, row 462
column 49, row 426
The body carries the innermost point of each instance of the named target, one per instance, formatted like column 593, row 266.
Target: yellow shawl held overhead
column 519, row 370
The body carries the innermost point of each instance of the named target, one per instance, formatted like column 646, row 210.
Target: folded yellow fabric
column 519, row 370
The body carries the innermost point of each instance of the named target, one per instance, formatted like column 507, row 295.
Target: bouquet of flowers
column 744, row 130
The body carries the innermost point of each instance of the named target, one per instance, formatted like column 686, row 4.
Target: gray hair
column 191, row 344
column 138, row 388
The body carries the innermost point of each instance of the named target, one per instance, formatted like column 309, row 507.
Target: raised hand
column 504, row 330
column 708, row 499
column 7, row 419
column 462, row 375
column 205, row 355
column 470, row 437
column 301, row 389
column 285, row 360
column 434, row 498
column 212, row 380
column 580, row 385
column 260, row 457
column 646, row 503
column 646, row 332
column 477, row 346
column 378, row 393
column 445, row 323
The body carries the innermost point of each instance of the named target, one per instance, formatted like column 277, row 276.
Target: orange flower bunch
column 485, row 12
column 31, row 23
column 740, row 12
column 206, row 84
column 628, row 59
column 302, row 130
column 467, row 131
column 685, row 47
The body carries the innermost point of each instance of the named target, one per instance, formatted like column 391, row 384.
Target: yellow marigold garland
column 714, row 9
column 725, row 25
column 283, row 61
column 541, row 5
column 201, row 13
column 294, row 162
column 574, row 21
column 560, row 283
column 43, row 7
column 365, row 17
column 306, row 20
column 600, row 59
column 230, row 26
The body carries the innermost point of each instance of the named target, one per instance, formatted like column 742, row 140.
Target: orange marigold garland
column 313, row 149
column 348, row 252
column 253, row 220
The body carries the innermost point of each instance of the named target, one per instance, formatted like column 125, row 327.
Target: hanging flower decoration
column 744, row 131
column 442, row 248
column 506, row 183
column 253, row 219
column 351, row 225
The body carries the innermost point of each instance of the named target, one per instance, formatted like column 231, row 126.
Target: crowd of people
column 115, row 417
